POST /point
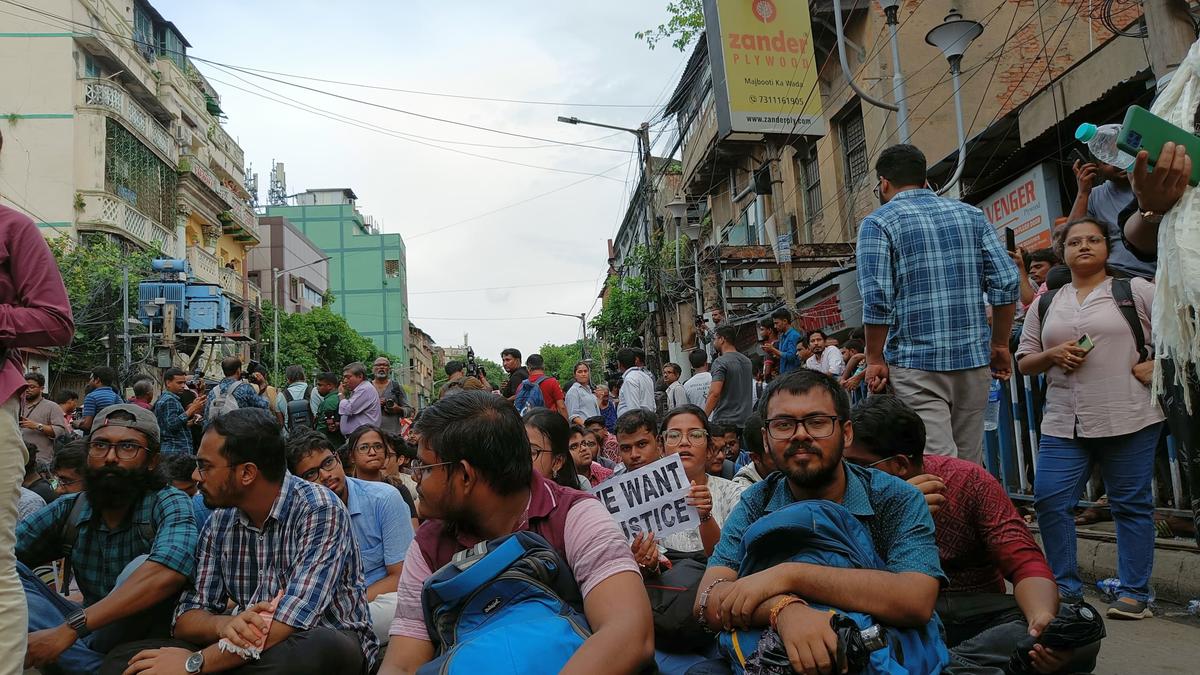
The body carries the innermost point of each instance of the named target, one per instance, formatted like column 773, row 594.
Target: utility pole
column 128, row 353
column 774, row 151
column 1170, row 34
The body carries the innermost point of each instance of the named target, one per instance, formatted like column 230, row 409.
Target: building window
column 134, row 173
column 311, row 297
column 293, row 288
column 391, row 269
column 810, row 181
column 854, row 145
column 90, row 67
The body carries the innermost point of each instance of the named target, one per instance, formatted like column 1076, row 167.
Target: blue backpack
column 529, row 396
column 825, row 533
column 507, row 605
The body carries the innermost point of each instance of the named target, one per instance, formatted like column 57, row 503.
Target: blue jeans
column 1127, row 467
column 48, row 609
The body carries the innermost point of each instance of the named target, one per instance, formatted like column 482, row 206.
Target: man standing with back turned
column 34, row 312
column 924, row 266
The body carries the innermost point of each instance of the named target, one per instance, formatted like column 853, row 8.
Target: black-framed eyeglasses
column 878, row 188
column 587, row 444
column 125, row 449
column 536, row 451
column 314, row 472
column 817, row 426
column 202, row 469
column 418, row 469
column 675, row 436
column 370, row 448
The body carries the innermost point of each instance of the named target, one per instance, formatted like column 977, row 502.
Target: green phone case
column 1143, row 130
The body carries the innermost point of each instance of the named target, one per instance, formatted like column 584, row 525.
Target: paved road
column 1169, row 644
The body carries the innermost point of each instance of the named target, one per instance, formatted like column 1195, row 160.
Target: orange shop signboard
column 764, row 74
column 1028, row 206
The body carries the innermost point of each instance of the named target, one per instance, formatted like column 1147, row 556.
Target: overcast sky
column 577, row 52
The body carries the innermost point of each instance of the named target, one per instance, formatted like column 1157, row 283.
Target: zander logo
column 764, row 10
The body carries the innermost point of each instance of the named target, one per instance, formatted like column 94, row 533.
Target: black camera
column 472, row 366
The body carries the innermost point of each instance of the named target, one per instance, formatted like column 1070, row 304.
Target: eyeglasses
column 66, row 482
column 587, row 444
column 371, row 448
column 872, row 465
column 817, row 426
column 878, row 188
column 326, row 465
column 420, row 470
column 675, row 436
column 125, row 449
column 1076, row 242
column 202, row 469
column 536, row 450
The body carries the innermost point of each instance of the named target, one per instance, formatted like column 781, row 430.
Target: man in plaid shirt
column 282, row 550
column 173, row 418
column 925, row 266
column 133, row 549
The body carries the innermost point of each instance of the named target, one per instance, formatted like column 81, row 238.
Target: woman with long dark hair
column 549, row 440
column 1098, row 411
column 581, row 400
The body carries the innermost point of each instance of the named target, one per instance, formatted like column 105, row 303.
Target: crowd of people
column 838, row 487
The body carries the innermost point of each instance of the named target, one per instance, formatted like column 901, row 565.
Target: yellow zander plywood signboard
column 763, row 72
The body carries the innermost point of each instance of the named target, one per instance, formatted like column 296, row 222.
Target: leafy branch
column 685, row 22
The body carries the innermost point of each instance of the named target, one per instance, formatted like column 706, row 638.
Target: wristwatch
column 1152, row 217
column 194, row 663
column 41, row 427
column 78, row 622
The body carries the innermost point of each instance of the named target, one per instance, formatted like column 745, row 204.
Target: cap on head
column 143, row 420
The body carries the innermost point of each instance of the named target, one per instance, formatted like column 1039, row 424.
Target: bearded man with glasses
column 130, row 542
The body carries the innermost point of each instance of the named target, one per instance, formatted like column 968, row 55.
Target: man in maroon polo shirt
column 475, row 476
column 982, row 542
column 34, row 312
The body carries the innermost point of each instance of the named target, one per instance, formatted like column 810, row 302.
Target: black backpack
column 299, row 415
column 1122, row 292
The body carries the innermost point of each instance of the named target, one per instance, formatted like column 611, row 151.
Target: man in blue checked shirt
column 273, row 540
column 233, row 392
column 925, row 265
column 172, row 417
column 132, row 547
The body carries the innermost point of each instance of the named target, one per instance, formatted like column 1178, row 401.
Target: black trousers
column 983, row 629
column 318, row 651
column 1185, row 428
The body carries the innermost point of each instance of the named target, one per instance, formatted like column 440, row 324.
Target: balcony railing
column 108, row 95
column 231, row 282
column 205, row 266
column 225, row 143
column 254, row 297
column 241, row 221
column 108, row 213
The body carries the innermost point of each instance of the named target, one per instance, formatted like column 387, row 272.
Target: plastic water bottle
column 1102, row 142
column 1108, row 588
column 1193, row 607
column 991, row 417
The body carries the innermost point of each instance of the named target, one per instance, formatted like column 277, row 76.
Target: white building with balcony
column 109, row 128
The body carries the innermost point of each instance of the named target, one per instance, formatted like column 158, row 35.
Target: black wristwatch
column 78, row 622
column 194, row 663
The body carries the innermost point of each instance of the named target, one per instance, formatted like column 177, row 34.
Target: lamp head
column 568, row 120
column 954, row 35
column 890, row 9
column 678, row 207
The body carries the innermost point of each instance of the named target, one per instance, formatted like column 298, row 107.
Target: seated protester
column 131, row 544
column 272, row 536
column 549, row 442
column 380, row 520
column 609, row 454
column 733, row 450
column 685, row 432
column 28, row 502
column 584, row 444
column 179, row 469
column 982, row 542
column 477, row 483
column 761, row 465
column 68, row 466
column 637, row 440
column 719, row 464
column 34, row 481
column 807, row 427
column 373, row 459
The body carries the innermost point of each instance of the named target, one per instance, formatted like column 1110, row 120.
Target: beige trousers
column 951, row 404
column 14, row 622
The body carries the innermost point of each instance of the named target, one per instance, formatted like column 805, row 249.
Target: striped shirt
column 305, row 547
column 924, row 266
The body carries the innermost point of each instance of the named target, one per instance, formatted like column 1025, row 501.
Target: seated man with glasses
column 281, row 551
column 807, row 427
column 982, row 542
column 380, row 519
column 475, row 474
column 129, row 540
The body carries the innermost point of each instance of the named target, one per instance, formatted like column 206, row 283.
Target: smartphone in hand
column 1085, row 343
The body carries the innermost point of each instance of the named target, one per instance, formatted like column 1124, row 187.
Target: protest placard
column 651, row 499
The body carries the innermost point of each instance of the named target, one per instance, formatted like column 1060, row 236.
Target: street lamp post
column 643, row 135
column 890, row 9
column 582, row 324
column 953, row 36
column 277, row 292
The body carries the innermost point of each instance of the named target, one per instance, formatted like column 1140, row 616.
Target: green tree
column 561, row 359
column 92, row 271
column 685, row 21
column 319, row 340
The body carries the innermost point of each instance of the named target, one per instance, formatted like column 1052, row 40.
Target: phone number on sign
column 786, row 100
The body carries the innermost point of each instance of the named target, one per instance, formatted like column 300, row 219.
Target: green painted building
column 367, row 269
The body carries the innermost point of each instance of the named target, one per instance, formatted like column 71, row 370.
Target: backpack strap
column 67, row 536
column 1122, row 291
column 287, row 394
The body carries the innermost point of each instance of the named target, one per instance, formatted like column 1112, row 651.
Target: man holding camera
column 359, row 401
column 233, row 392
column 392, row 400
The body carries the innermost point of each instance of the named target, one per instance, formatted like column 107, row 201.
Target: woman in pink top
column 584, row 446
column 1098, row 410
